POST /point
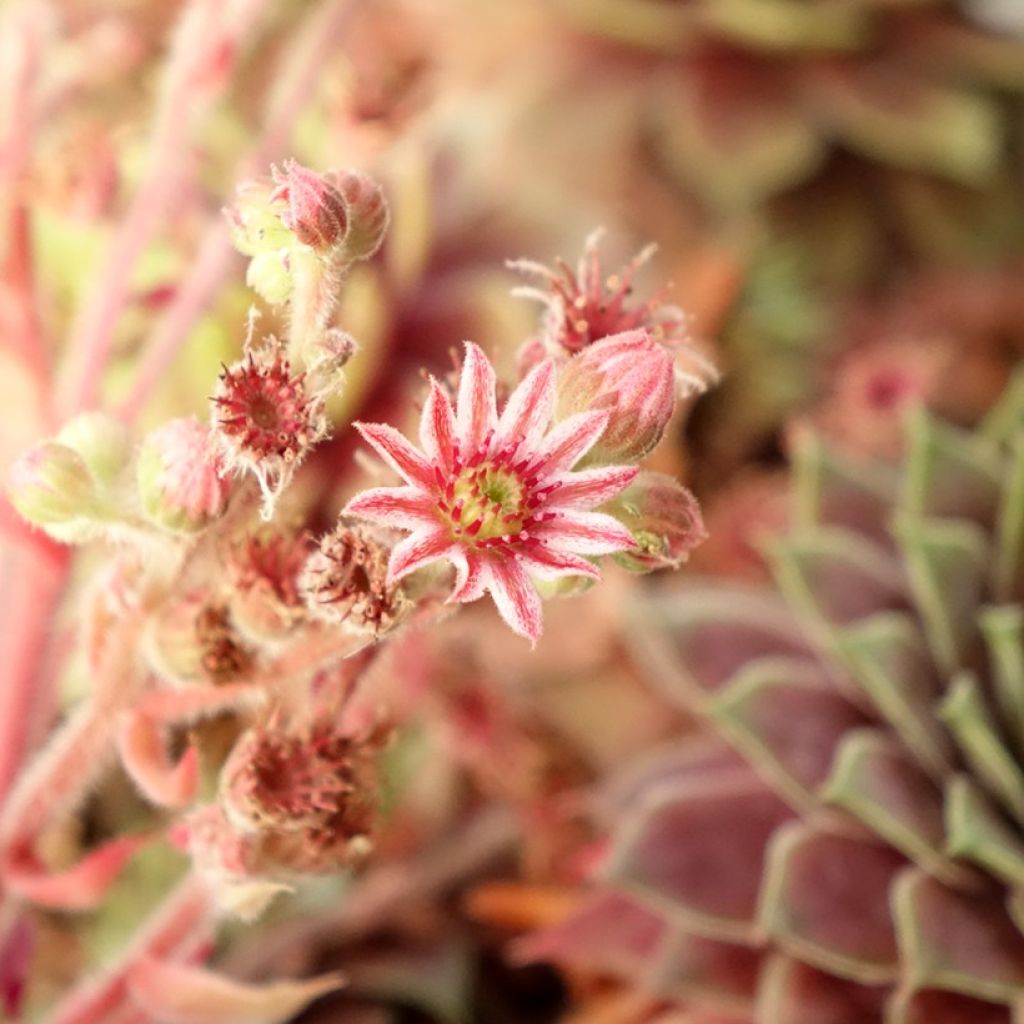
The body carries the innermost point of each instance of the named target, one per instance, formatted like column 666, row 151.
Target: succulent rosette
column 844, row 842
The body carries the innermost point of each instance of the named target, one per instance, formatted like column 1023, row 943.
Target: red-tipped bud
column 367, row 213
column 665, row 521
column 632, row 376
column 179, row 476
column 316, row 210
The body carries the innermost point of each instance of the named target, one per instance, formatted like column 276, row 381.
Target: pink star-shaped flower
column 496, row 495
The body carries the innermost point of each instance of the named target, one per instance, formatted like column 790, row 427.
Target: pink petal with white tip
column 416, row 551
column 516, row 598
column 528, row 410
column 584, row 533
column 437, row 428
column 181, row 994
column 143, row 751
column 476, row 414
column 397, row 452
column 81, row 887
column 589, row 488
column 398, row 507
column 571, row 439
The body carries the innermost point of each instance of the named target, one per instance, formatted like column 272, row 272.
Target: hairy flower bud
column 51, row 486
column 101, row 440
column 180, row 476
column 632, row 376
column 367, row 212
column 345, row 582
column 316, row 211
column 665, row 521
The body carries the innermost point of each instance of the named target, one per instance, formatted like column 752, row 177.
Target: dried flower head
column 223, row 656
column 316, row 211
column 345, row 582
column 585, row 305
column 496, row 496
column 264, row 572
column 265, row 418
column 311, row 793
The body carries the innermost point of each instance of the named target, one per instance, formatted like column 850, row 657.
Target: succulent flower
column 631, row 376
column 496, row 496
column 180, row 476
column 846, row 842
column 316, row 212
column 584, row 306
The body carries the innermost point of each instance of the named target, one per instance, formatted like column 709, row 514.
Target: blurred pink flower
column 495, row 496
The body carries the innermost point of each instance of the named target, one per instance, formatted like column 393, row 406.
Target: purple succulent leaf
column 691, row 643
column 950, row 473
column 947, row 561
column 890, row 663
column 1008, row 563
column 787, row 719
column 832, row 490
column 931, row 1006
column 708, row 973
column 1003, row 630
column 979, row 833
column 964, row 942
column 971, row 722
column 793, row 992
column 832, row 578
column 876, row 780
column 695, row 852
column 826, row 901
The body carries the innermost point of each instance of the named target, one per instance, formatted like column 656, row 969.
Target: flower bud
column 51, row 486
column 316, row 211
column 254, row 222
column 179, row 477
column 269, row 275
column 632, row 376
column 101, row 440
column 665, row 521
column 367, row 214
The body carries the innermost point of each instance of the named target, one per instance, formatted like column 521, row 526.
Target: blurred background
column 835, row 191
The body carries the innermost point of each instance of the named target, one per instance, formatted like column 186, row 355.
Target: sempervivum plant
column 844, row 844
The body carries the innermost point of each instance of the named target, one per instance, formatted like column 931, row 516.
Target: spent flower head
column 496, row 495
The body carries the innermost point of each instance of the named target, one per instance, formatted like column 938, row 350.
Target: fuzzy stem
column 179, row 930
column 202, row 51
column 299, row 74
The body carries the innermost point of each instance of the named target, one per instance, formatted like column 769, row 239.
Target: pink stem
column 299, row 76
column 178, row 931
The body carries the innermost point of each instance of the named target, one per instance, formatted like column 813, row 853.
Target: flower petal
column 545, row 564
column 398, row 452
column 403, row 508
column 516, row 599
column 477, row 414
column 470, row 576
column 528, row 409
column 571, row 439
column 584, row 533
column 589, row 488
column 437, row 428
column 182, row 994
column 417, row 550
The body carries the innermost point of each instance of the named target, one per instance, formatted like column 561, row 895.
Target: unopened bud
column 269, row 275
column 51, row 486
column 367, row 214
column 254, row 221
column 665, row 521
column 179, row 476
column 632, row 376
column 316, row 211
column 101, row 440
